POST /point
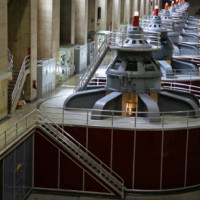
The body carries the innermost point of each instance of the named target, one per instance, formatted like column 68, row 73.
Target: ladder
column 86, row 77
column 110, row 179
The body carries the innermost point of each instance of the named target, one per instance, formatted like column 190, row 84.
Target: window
column 117, row 64
column 131, row 66
column 133, row 42
column 148, row 66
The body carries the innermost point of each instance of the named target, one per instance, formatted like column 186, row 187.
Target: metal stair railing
column 17, row 130
column 83, row 155
column 10, row 60
column 25, row 65
column 85, row 78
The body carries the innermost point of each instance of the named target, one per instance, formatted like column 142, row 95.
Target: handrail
column 63, row 135
column 122, row 119
column 17, row 130
column 101, row 81
column 181, row 86
column 113, row 39
column 10, row 61
column 25, row 64
column 90, row 69
column 118, row 38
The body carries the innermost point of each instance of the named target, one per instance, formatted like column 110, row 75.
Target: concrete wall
column 22, row 38
column 19, row 30
column 3, row 36
column 3, row 99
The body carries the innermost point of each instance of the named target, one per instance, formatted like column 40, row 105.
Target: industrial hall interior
column 99, row 99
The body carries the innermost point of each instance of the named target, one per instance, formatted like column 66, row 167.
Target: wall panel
column 147, row 160
column 123, row 155
column 174, row 159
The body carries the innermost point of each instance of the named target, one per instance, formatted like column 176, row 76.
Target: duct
column 185, row 67
column 149, row 106
column 110, row 102
column 80, row 99
column 171, row 102
column 165, row 68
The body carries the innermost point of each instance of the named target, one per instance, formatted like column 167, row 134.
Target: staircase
column 88, row 74
column 89, row 161
column 16, row 85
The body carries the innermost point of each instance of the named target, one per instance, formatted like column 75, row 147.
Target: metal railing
column 36, row 119
column 116, row 39
column 82, row 154
column 10, row 61
column 187, row 74
column 25, row 65
column 17, row 130
column 122, row 119
column 87, row 75
column 184, row 87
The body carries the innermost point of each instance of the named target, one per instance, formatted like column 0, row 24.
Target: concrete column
column 131, row 8
column 142, row 8
column 67, row 22
column 160, row 4
column 127, row 8
column 109, row 14
column 3, row 60
column 152, row 6
column 122, row 3
column 19, row 30
column 135, row 5
column 93, row 15
column 147, row 7
column 30, row 93
column 81, row 21
column 103, row 21
column 3, row 36
column 56, row 30
column 48, row 28
column 116, row 14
